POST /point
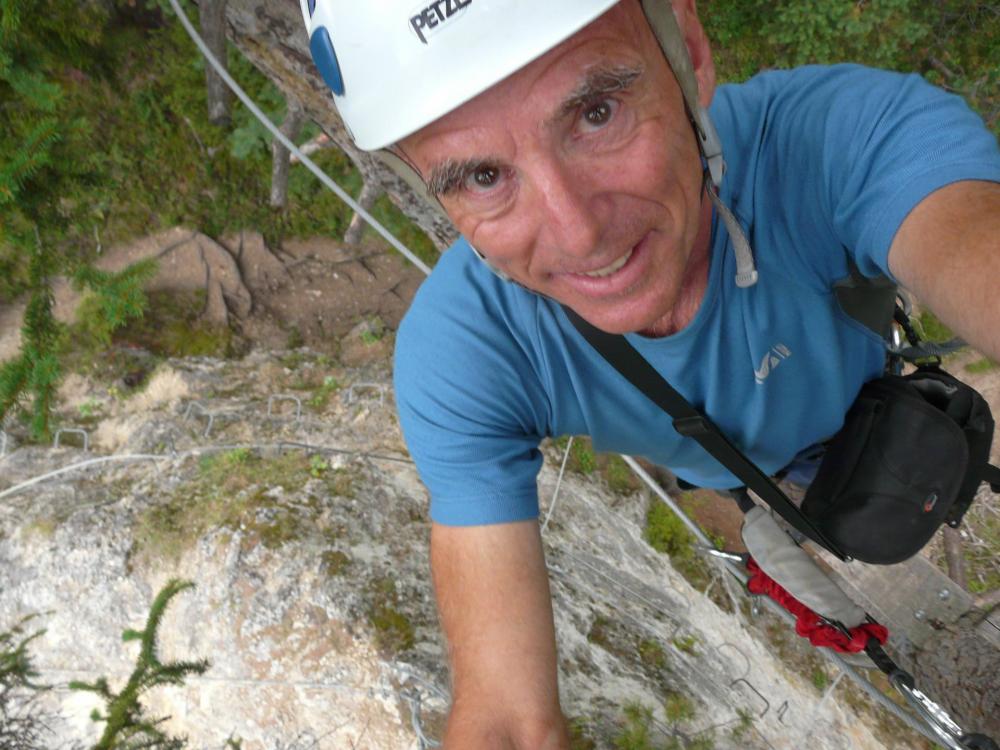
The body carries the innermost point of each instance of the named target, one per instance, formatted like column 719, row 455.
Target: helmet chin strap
column 711, row 150
column 663, row 24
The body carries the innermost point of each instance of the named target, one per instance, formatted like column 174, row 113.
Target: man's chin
column 615, row 322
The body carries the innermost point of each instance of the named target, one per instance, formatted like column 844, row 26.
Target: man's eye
column 598, row 115
column 484, row 178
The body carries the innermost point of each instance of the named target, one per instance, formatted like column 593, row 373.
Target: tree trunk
column 369, row 194
column 272, row 36
column 294, row 118
column 960, row 670
column 212, row 15
column 955, row 556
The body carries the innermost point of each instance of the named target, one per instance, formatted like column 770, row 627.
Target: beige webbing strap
column 660, row 15
column 797, row 573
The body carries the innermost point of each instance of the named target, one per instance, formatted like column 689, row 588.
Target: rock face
column 281, row 486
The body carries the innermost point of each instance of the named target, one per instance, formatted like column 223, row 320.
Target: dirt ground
column 307, row 293
column 330, row 289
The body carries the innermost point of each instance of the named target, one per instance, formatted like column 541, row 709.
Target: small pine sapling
column 23, row 726
column 126, row 725
column 36, row 369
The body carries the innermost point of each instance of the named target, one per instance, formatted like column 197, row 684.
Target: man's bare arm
column 493, row 594
column 947, row 252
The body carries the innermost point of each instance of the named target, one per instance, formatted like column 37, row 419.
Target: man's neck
column 693, row 285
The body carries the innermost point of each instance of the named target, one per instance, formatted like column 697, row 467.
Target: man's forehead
column 556, row 78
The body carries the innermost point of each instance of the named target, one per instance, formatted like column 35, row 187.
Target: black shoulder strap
column 991, row 475
column 690, row 422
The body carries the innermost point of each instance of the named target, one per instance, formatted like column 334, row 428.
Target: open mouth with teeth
column 609, row 269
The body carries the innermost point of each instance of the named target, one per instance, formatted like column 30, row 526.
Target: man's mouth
column 609, row 269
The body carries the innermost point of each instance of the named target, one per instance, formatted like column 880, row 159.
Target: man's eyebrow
column 449, row 175
column 598, row 82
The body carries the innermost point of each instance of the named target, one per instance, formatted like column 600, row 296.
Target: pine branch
column 32, row 156
column 14, row 376
column 126, row 726
column 120, row 296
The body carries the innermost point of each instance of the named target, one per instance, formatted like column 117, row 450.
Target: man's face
column 579, row 176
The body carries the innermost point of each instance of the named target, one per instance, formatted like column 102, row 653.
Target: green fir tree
column 127, row 727
column 23, row 724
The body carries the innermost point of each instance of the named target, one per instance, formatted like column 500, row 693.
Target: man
column 578, row 163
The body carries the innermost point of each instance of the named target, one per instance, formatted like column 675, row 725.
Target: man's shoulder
column 460, row 286
column 463, row 308
column 810, row 95
column 814, row 81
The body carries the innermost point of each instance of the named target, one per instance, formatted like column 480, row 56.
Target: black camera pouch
column 910, row 456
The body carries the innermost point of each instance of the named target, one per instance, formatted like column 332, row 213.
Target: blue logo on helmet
column 312, row 7
column 326, row 60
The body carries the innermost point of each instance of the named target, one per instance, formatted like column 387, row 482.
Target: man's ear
column 699, row 49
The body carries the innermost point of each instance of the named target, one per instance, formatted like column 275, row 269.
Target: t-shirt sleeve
column 888, row 141
column 470, row 408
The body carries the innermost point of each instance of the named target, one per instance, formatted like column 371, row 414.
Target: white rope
column 287, row 143
column 82, row 465
column 555, row 493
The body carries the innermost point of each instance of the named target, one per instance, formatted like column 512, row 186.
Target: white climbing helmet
column 395, row 66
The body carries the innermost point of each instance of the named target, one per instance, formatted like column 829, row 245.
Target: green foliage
column 981, row 365
column 954, row 44
column 118, row 297
column 126, row 724
column 744, row 723
column 652, row 653
column 678, row 708
column 233, row 490
column 584, row 460
column 686, row 644
column 102, row 145
column 933, row 329
column 318, row 466
column 636, row 733
column 35, row 371
column 393, row 630
column 621, row 479
column 581, row 457
column 666, row 533
column 579, row 735
column 41, row 138
column 321, row 397
column 23, row 725
column 170, row 326
column 820, row 680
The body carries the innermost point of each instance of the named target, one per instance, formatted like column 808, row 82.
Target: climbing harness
column 856, row 495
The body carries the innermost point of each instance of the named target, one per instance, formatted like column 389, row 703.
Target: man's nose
column 569, row 214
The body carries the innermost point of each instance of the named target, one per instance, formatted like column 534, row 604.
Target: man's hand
column 947, row 252
column 493, row 594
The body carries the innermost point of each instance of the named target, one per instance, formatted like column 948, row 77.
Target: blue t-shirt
column 822, row 162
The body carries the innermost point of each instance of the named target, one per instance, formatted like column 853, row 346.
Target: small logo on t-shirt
column 775, row 356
